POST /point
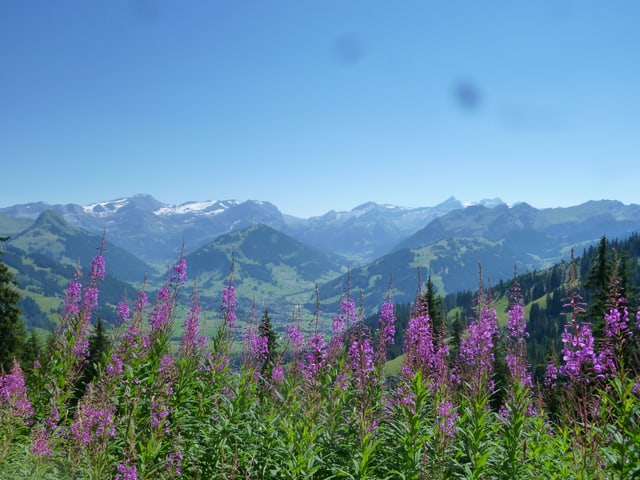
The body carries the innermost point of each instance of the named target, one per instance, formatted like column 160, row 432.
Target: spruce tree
column 597, row 284
column 31, row 351
column 265, row 330
column 99, row 346
column 434, row 308
column 457, row 331
column 12, row 331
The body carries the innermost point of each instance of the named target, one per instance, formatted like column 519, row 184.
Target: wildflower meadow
column 314, row 404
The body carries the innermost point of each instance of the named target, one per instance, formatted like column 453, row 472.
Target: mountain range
column 152, row 230
column 279, row 259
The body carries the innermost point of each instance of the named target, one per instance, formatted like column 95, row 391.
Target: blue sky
column 319, row 105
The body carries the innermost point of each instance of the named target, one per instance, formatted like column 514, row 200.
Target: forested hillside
column 545, row 294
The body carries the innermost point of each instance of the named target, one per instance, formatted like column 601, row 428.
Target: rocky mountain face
column 280, row 258
column 154, row 231
column 452, row 247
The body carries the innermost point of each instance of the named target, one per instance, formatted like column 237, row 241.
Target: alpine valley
column 281, row 261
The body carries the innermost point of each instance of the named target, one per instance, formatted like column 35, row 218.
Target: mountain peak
column 486, row 202
column 52, row 221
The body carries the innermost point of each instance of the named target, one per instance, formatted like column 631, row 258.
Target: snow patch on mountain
column 486, row 202
column 104, row 209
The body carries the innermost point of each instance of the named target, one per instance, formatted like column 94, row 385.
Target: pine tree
column 597, row 284
column 265, row 330
column 12, row 331
column 31, row 351
column 458, row 329
column 434, row 308
column 99, row 346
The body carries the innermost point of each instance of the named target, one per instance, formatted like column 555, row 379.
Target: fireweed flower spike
column 418, row 348
column 361, row 361
column 192, row 341
column 476, row 350
column 228, row 305
column 80, row 307
column 387, row 330
column 127, row 471
column 14, row 403
column 517, row 334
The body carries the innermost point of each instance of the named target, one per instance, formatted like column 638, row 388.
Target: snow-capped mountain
column 154, row 230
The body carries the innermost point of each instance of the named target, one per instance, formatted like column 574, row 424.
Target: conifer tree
column 458, row 329
column 31, row 351
column 99, row 346
column 434, row 308
column 12, row 331
column 265, row 330
column 597, row 284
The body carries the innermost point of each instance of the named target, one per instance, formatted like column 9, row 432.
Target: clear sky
column 320, row 104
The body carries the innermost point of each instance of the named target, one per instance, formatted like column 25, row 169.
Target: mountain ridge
column 272, row 262
column 150, row 229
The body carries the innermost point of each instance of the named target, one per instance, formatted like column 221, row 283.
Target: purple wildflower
column 636, row 387
column 516, row 323
column 616, row 323
column 551, row 375
column 40, row 446
column 81, row 348
column 98, row 267
column 228, row 305
column 345, row 318
column 516, row 354
column 52, row 419
column 361, row 362
column 160, row 316
column 191, row 340
column 315, row 357
column 296, row 337
column 180, row 270
column 141, row 302
column 72, row 298
column 277, row 373
column 130, row 335
column 90, row 300
column 446, row 419
column 579, row 354
column 127, row 472
column 166, row 364
column 476, row 349
column 387, row 324
column 115, row 366
column 341, row 382
column 159, row 416
column 257, row 347
column 13, row 394
column 123, row 313
column 174, row 462
column 418, row 348
column 93, row 426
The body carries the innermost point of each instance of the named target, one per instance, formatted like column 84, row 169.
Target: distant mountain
column 537, row 231
column 451, row 247
column 279, row 258
column 42, row 282
column 154, row 231
column 50, row 235
column 10, row 226
column 368, row 231
column 276, row 269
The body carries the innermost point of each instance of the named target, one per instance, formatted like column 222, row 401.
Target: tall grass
column 324, row 408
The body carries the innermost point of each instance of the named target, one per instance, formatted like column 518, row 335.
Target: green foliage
column 192, row 413
column 620, row 406
column 12, row 333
